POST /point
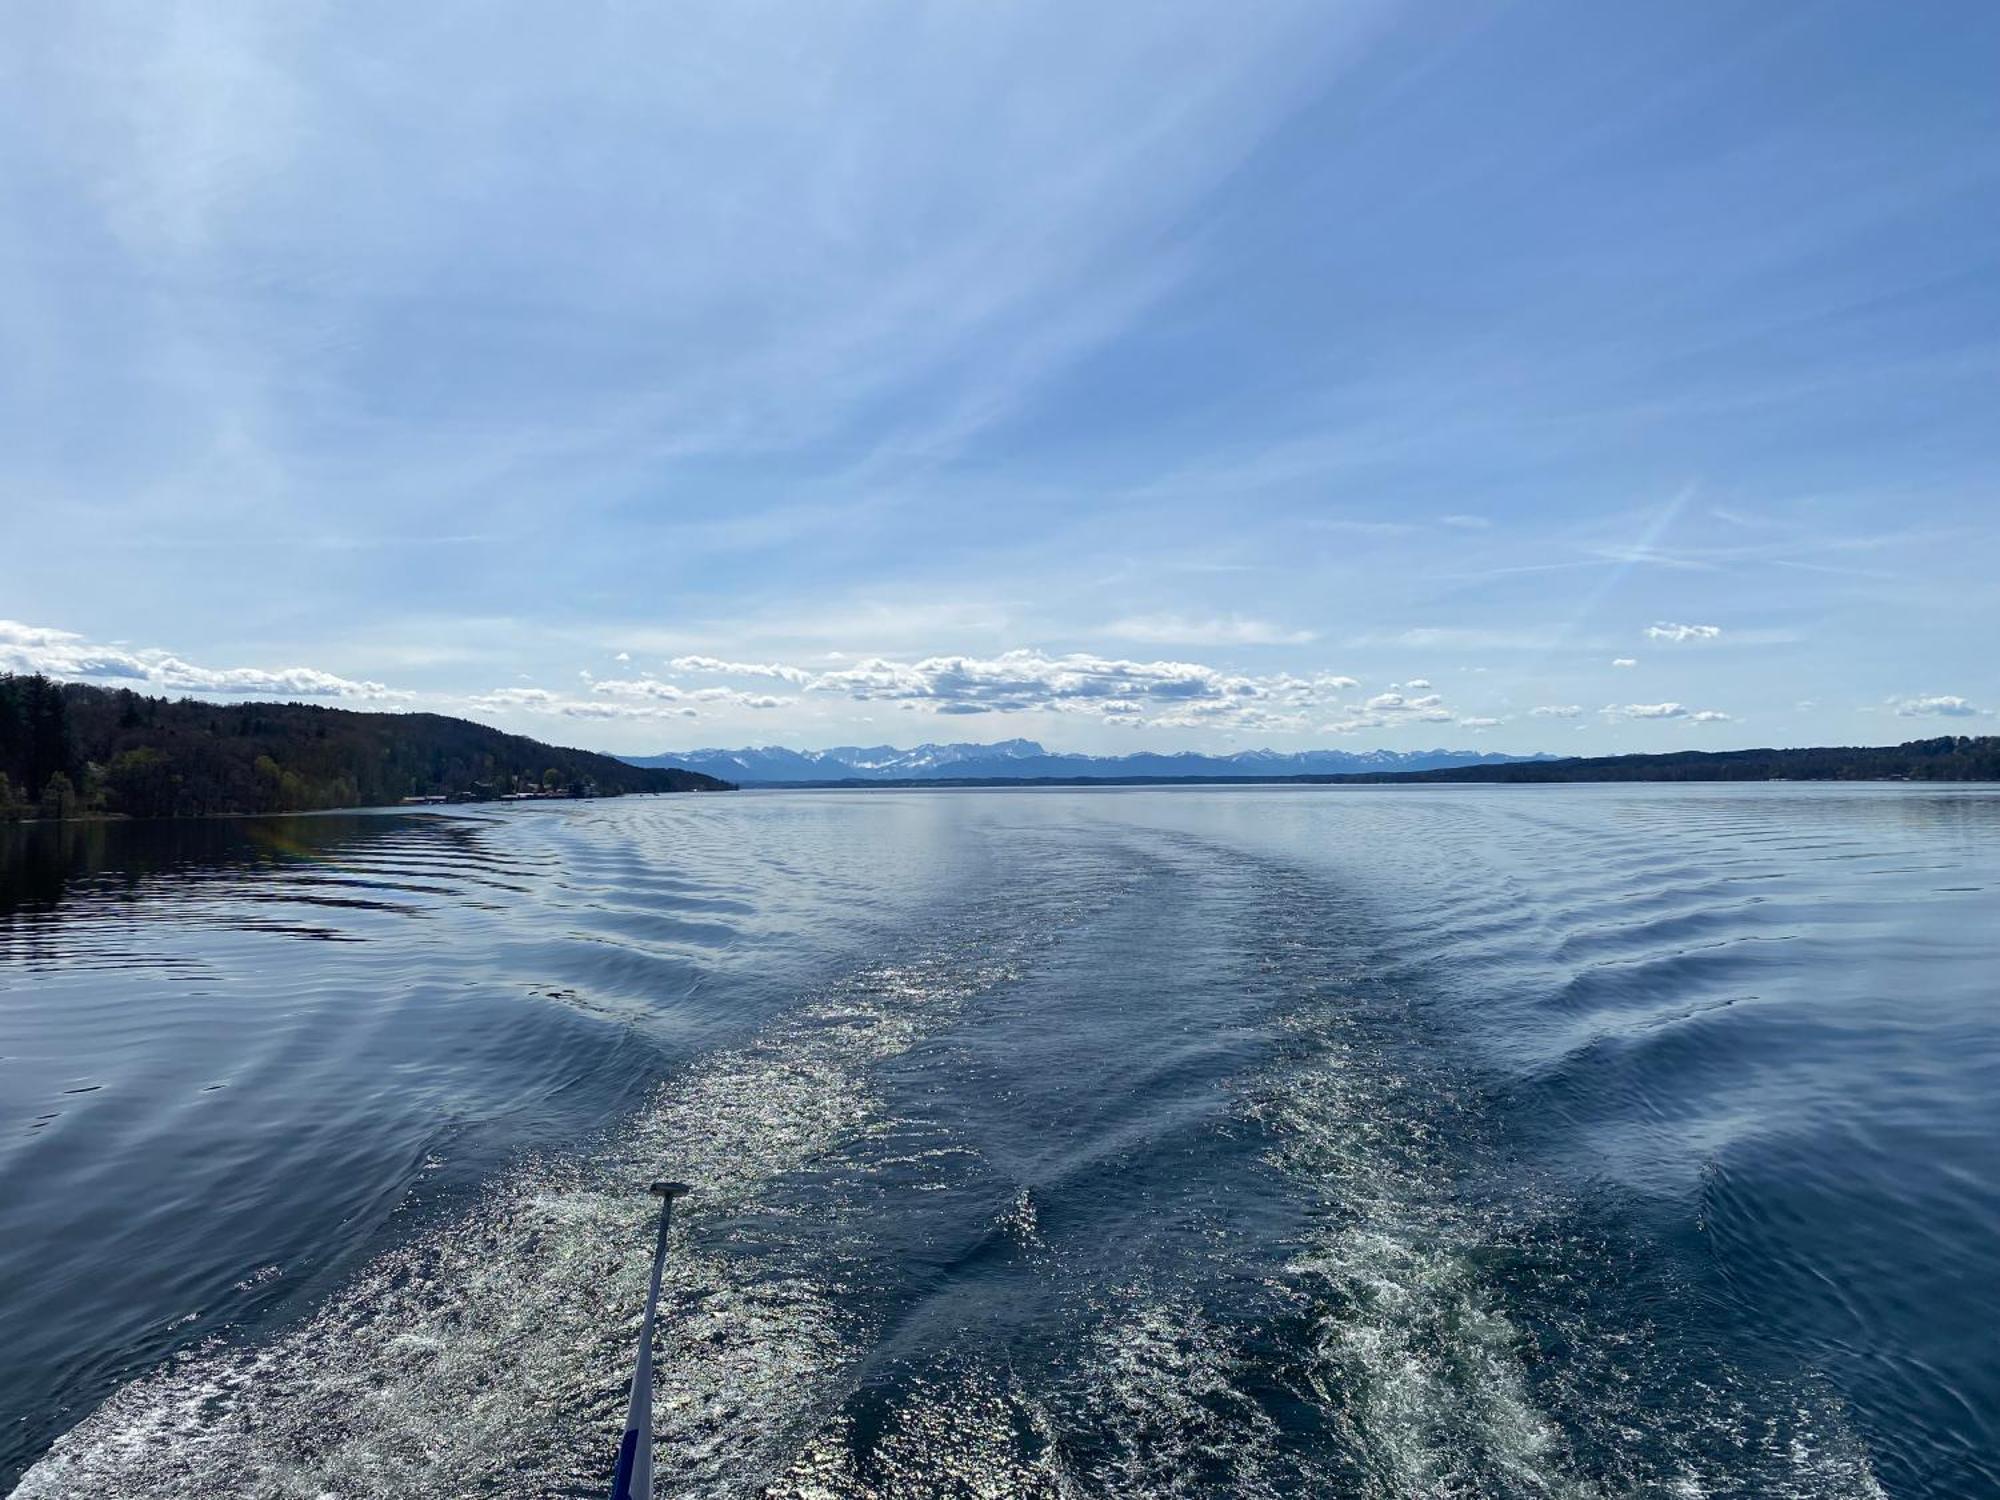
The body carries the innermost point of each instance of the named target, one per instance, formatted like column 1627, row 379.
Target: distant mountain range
column 1024, row 759
column 1947, row 758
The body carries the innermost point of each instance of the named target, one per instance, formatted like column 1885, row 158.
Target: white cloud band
column 1933, row 705
column 66, row 655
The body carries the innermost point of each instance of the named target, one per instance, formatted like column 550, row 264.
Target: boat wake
column 1323, row 1276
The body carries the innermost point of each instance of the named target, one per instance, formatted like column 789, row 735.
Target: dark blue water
column 1434, row 1141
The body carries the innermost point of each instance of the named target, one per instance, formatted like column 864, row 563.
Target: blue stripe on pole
column 628, row 1457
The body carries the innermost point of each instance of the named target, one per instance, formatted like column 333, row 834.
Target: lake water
column 1425, row 1141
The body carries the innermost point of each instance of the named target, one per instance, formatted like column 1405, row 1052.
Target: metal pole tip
column 669, row 1189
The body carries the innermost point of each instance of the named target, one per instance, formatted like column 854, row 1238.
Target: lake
column 1373, row 1141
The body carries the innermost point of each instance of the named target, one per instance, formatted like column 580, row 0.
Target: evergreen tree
column 45, row 717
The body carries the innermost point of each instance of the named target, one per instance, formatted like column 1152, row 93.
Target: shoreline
column 1043, row 783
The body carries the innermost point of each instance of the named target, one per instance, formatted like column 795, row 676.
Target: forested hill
column 1948, row 758
column 67, row 749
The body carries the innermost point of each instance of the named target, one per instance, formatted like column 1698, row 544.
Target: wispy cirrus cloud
column 1468, row 638
column 1667, row 631
column 72, row 657
column 1229, row 630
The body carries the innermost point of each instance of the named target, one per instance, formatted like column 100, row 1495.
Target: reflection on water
column 1378, row 1141
column 44, row 862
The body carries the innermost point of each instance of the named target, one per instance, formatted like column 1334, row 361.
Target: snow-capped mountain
column 766, row 764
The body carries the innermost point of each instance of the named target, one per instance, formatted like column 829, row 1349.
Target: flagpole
column 634, row 1480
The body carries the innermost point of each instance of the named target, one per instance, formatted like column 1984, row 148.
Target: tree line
column 1946, row 758
column 69, row 750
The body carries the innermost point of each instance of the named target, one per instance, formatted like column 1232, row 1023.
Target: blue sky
column 1535, row 376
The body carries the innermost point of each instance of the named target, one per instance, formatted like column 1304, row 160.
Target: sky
column 1538, row 376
